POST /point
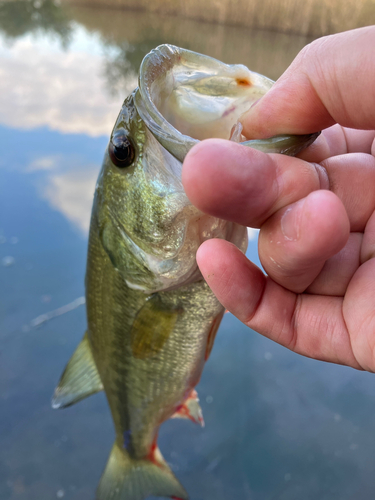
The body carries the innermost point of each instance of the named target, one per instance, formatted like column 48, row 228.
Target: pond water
column 278, row 426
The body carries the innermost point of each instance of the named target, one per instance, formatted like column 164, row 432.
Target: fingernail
column 291, row 221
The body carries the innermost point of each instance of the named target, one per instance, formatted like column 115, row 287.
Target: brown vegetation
column 306, row 17
column 268, row 53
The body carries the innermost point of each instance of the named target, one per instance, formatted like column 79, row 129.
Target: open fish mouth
column 153, row 233
column 184, row 97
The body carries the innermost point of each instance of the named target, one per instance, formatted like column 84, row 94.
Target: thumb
column 330, row 81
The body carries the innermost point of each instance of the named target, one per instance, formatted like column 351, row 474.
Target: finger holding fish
column 310, row 325
column 338, row 140
column 295, row 243
column 328, row 225
column 272, row 192
column 259, row 191
column 330, row 81
column 245, row 185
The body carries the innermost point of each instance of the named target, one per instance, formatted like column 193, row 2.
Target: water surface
column 278, row 426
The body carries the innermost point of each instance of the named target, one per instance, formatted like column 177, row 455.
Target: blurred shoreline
column 303, row 17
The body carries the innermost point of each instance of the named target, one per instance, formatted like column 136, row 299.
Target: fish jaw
column 147, row 225
column 283, row 144
column 185, row 97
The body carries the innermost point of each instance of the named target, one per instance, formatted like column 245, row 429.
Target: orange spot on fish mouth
column 244, row 82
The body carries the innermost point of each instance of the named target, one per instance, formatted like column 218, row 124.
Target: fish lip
column 161, row 59
column 169, row 137
column 301, row 142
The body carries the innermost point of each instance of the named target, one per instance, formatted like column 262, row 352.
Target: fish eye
column 121, row 150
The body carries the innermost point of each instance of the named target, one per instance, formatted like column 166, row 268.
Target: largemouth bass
column 151, row 317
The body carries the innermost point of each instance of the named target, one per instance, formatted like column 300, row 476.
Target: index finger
column 330, row 81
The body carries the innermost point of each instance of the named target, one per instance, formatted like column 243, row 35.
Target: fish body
column 151, row 371
column 151, row 317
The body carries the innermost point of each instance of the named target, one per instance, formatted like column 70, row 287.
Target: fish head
column 146, row 224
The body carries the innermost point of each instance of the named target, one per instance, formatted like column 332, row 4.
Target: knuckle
column 323, row 177
column 320, row 71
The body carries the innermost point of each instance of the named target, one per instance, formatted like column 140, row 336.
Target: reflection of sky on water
column 43, row 85
column 278, row 426
column 71, row 189
column 62, row 169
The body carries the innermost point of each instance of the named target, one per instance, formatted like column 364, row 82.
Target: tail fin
column 128, row 479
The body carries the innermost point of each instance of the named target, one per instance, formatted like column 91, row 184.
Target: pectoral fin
column 191, row 409
column 79, row 379
column 152, row 327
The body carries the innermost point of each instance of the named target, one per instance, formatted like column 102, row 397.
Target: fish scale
column 154, row 388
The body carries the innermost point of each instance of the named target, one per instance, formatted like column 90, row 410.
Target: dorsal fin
column 79, row 379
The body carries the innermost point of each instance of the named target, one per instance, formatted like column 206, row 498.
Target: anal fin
column 79, row 379
column 191, row 409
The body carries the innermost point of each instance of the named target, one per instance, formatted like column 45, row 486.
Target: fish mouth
column 184, row 97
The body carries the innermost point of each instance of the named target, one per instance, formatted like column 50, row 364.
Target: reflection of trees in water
column 19, row 17
column 129, row 35
column 122, row 62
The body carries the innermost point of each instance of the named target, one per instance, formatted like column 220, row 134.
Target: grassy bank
column 305, row 17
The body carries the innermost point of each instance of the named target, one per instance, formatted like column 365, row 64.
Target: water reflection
column 81, row 90
column 72, row 194
column 278, row 426
column 24, row 16
column 68, row 187
column 42, row 85
column 136, row 33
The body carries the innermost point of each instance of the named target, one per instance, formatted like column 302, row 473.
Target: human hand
column 316, row 213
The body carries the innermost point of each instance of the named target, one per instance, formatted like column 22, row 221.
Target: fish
column 151, row 317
